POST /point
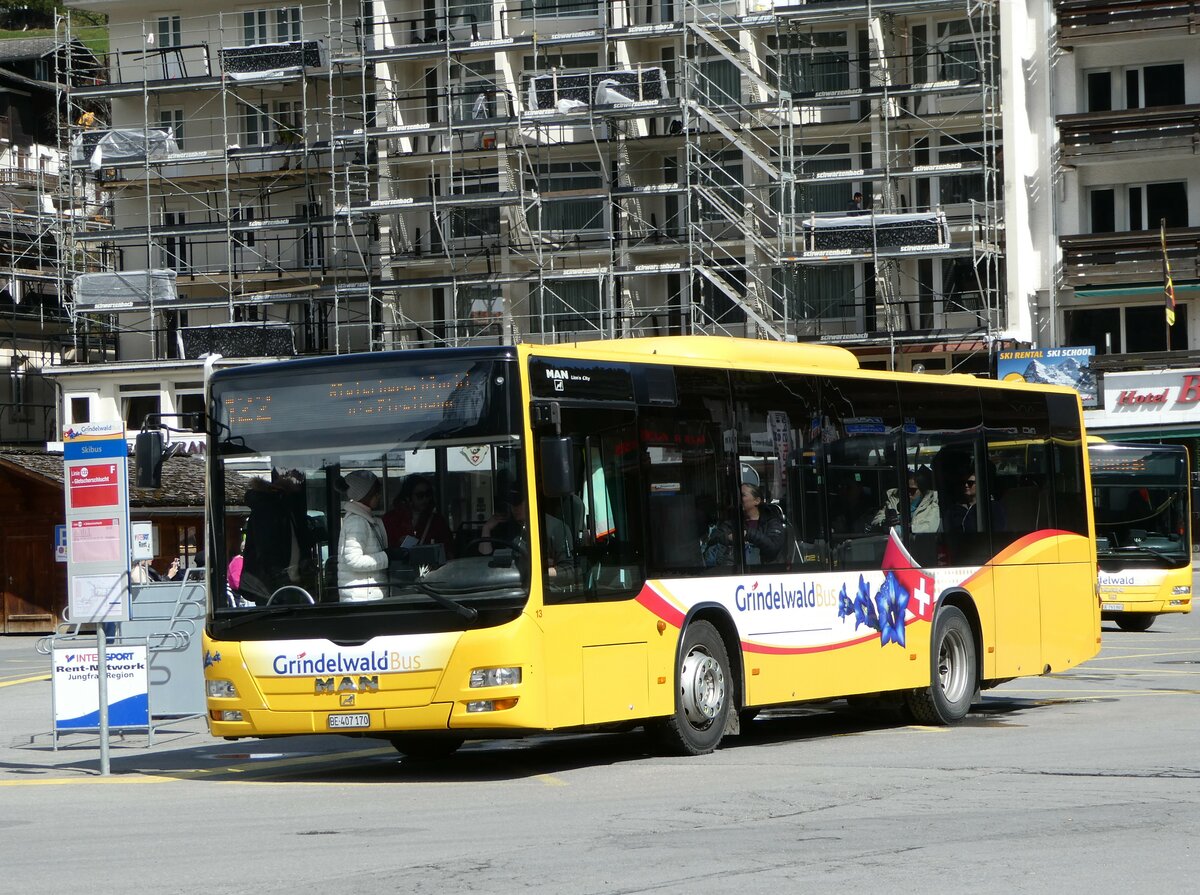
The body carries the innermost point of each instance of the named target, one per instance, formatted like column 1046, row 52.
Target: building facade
column 350, row 176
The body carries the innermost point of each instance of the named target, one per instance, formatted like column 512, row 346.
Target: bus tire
column 1135, row 621
column 703, row 694
column 953, row 672
column 426, row 746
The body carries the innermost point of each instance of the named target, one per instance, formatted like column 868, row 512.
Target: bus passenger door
column 597, row 664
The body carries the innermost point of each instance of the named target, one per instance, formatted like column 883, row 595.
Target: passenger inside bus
column 279, row 546
column 362, row 544
column 414, row 521
column 923, row 511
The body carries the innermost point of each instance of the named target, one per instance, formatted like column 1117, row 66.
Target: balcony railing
column 1083, row 19
column 1133, row 257
column 1092, row 133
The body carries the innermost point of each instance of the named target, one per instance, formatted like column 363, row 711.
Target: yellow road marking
column 25, row 680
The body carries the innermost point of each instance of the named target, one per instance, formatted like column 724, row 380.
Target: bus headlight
column 1180, row 589
column 221, row 689
column 495, row 677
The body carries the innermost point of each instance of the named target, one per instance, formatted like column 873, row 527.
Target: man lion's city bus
column 671, row 533
column 1143, row 531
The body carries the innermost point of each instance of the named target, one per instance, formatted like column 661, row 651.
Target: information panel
column 96, row 472
column 77, row 694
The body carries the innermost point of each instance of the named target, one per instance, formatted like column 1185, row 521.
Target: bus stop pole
column 102, row 673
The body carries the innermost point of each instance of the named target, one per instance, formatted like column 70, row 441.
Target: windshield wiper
column 467, row 612
column 1153, row 551
column 256, row 613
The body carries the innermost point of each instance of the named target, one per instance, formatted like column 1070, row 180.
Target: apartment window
column 1102, row 209
column 1132, row 328
column 479, row 310
column 255, row 125
column 174, row 251
column 312, row 237
column 137, row 403
column 720, row 81
column 1139, row 206
column 816, row 293
column 566, row 305
column 1144, row 87
column 957, row 51
column 471, row 12
column 475, row 222
column 473, row 91
column 568, row 214
column 825, row 197
column 810, row 62
column 961, row 286
column 288, row 27
column 286, row 115
column 80, row 408
column 960, row 188
column 191, row 406
column 169, row 31
column 172, row 120
column 254, row 27
column 540, row 9
column 724, row 176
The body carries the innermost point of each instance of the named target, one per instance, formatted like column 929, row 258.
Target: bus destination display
column 438, row 397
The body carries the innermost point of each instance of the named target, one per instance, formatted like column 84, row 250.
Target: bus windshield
column 366, row 493
column 1141, row 505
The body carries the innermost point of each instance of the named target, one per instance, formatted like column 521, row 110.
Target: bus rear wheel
column 703, row 689
column 1135, row 621
column 953, row 676
column 426, row 746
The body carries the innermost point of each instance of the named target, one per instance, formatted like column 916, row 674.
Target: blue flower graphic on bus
column 906, row 590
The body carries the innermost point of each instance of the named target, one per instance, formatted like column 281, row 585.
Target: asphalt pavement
column 1086, row 781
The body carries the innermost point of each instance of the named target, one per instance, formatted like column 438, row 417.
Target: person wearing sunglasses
column 414, row 519
column 965, row 514
column 922, row 500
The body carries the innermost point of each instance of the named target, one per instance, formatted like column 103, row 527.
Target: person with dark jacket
column 765, row 534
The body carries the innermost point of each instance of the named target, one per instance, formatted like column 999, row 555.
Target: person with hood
column 362, row 544
column 923, row 507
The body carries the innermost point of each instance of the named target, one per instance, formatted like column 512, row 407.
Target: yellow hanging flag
column 1168, row 283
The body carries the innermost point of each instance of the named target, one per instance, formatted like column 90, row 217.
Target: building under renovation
column 347, row 176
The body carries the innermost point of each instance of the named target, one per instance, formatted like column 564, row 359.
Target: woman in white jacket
column 362, row 545
column 922, row 504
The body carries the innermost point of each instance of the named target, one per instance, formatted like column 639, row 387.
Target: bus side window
column 777, row 445
column 860, row 433
column 941, row 425
column 1066, row 433
column 1018, row 495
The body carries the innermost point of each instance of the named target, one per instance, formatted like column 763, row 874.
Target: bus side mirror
column 147, row 459
column 558, row 466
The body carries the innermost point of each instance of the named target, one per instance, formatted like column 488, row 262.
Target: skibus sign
column 95, row 457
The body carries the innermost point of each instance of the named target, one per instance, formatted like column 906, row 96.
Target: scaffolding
column 406, row 173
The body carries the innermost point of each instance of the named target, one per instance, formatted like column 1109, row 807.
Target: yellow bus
column 672, row 533
column 1143, row 516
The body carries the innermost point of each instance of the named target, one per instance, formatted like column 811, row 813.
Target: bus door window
column 776, row 457
column 941, row 426
column 692, row 503
column 591, row 539
column 1019, row 488
column 1070, row 490
column 860, row 436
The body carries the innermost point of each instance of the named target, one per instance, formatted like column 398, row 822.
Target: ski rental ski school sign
column 1071, row 367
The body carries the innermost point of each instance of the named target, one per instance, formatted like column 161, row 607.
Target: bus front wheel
column 1135, row 621
column 703, row 687
column 953, row 674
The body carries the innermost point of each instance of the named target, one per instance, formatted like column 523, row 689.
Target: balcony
column 1082, row 20
column 1092, row 134
column 1098, row 259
